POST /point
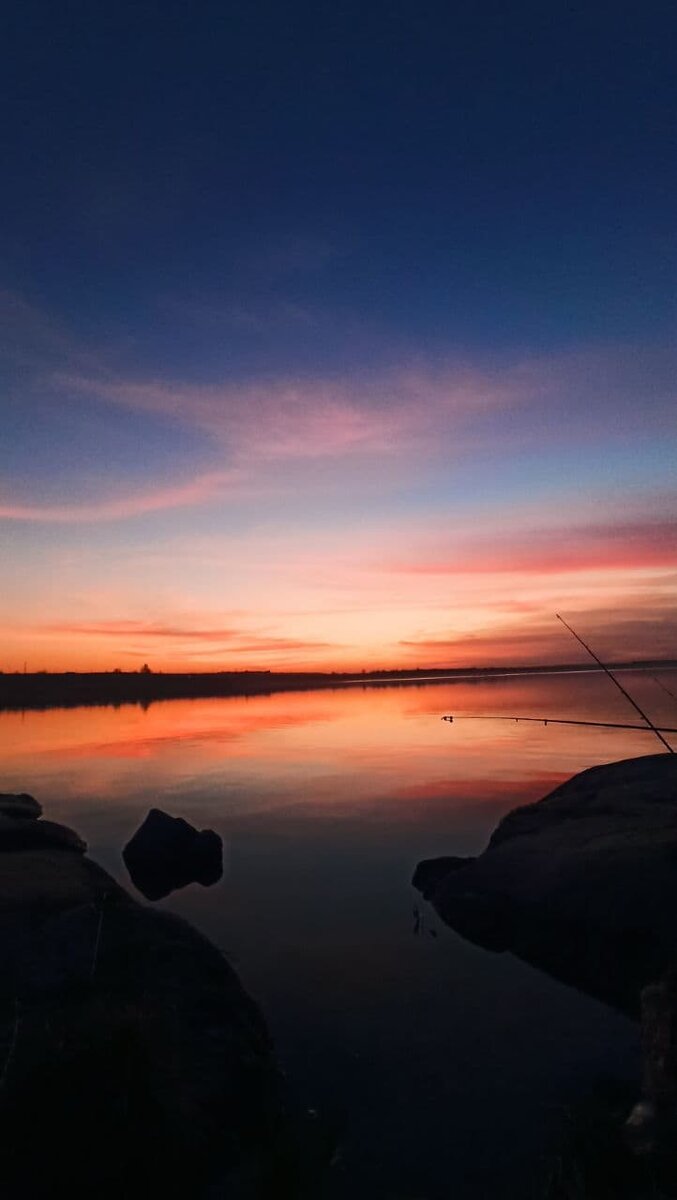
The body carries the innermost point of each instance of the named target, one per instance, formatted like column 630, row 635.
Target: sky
column 337, row 335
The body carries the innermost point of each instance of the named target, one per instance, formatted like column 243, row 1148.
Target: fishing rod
column 555, row 721
column 620, row 687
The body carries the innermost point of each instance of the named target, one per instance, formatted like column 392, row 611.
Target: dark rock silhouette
column 21, row 833
column 21, row 805
column 132, row 1061
column 167, row 853
column 583, row 884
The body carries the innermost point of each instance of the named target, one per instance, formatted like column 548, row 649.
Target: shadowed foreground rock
column 583, row 884
column 132, row 1061
column 166, row 853
column 19, row 805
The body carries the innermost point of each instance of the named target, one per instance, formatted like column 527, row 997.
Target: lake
column 446, row 1068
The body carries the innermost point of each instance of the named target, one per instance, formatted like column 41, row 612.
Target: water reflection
column 325, row 801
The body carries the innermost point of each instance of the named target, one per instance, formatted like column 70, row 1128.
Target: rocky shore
column 583, row 885
column 132, row 1061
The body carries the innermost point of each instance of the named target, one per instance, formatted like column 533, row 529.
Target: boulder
column 19, row 833
column 19, row 805
column 132, row 1061
column 167, row 853
column 582, row 884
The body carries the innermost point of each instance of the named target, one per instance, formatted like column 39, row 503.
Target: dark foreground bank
column 132, row 1061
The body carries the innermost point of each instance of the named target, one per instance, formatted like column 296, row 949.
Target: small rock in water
column 167, row 853
column 19, row 805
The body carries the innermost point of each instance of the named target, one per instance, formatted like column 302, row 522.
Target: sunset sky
column 337, row 335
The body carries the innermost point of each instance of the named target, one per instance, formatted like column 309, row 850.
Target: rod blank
column 620, row 687
column 558, row 721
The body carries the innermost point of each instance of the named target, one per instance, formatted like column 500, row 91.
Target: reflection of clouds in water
column 350, row 759
column 346, row 745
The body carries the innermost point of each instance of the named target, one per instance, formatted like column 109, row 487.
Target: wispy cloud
column 266, row 420
column 643, row 628
column 622, row 545
column 124, row 628
column 404, row 412
column 268, row 645
column 134, row 638
column 409, row 410
column 196, row 491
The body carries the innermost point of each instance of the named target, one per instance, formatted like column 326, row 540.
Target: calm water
column 447, row 1067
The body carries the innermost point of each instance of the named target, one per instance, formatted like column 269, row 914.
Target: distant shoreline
column 72, row 689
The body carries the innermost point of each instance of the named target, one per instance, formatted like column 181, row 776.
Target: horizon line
column 356, row 673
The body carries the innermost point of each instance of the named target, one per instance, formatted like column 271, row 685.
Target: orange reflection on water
column 346, row 751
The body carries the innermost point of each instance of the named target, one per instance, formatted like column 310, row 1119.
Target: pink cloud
column 374, row 413
column 197, row 491
column 623, row 545
column 407, row 407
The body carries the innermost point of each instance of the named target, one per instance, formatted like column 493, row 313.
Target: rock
column 430, row 873
column 19, row 805
column 582, row 884
column 133, row 1063
column 167, row 853
column 19, row 833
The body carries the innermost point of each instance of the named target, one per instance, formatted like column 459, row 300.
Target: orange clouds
column 221, row 641
column 334, row 603
column 93, row 645
column 621, row 631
